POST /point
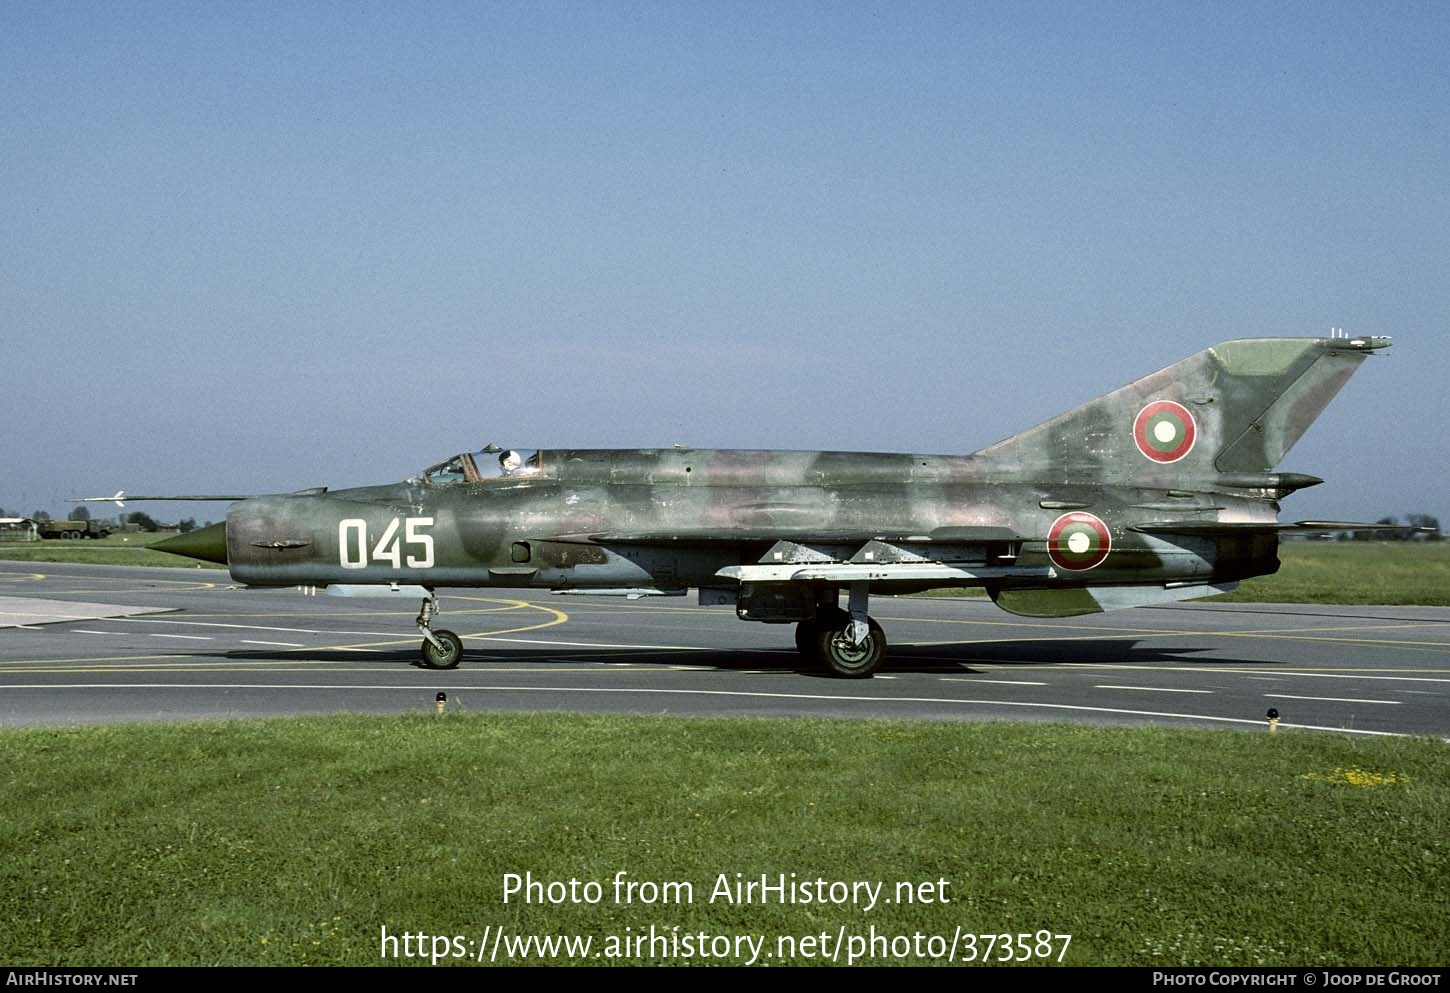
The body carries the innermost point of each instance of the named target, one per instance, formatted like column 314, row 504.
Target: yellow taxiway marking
column 559, row 618
column 507, row 604
column 191, row 584
column 1391, row 626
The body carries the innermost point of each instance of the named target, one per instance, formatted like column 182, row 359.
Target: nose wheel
column 440, row 649
column 445, row 654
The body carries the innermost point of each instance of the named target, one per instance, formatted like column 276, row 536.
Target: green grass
column 1354, row 572
column 117, row 549
column 297, row 841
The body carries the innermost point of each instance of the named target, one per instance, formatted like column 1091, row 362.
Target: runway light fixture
column 1273, row 716
column 440, row 702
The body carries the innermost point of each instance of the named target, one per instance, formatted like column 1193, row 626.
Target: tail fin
column 1235, row 408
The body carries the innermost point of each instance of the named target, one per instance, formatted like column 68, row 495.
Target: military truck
column 73, row 529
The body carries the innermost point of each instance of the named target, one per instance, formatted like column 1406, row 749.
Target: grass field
column 299, row 841
column 1365, row 572
column 118, row 549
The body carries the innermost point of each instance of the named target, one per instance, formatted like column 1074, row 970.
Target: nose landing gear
column 440, row 649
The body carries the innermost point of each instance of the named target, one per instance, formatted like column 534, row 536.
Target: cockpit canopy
column 487, row 464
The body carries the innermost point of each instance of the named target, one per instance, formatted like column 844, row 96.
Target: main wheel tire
column 448, row 657
column 841, row 658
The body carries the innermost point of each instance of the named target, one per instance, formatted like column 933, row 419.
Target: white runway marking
column 1150, row 689
column 1326, row 699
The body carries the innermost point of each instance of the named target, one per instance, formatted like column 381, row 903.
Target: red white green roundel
column 1078, row 541
column 1164, row 431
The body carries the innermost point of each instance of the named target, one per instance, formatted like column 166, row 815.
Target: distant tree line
column 139, row 518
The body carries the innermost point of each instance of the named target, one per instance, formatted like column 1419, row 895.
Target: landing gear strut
column 440, row 649
column 847, row 643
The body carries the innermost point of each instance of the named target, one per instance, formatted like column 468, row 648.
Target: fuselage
column 673, row 518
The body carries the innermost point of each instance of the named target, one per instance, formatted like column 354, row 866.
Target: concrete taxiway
column 223, row 652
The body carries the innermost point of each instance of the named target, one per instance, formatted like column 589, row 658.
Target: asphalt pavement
column 85, row 644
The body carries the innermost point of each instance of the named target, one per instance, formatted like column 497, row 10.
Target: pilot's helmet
column 509, row 461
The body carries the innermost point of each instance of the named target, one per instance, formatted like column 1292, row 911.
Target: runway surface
column 224, row 652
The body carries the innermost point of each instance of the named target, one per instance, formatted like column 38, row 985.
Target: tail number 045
column 352, row 543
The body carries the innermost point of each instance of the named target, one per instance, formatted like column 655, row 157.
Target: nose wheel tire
column 448, row 656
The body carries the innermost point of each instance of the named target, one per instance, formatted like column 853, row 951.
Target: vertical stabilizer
column 1237, row 407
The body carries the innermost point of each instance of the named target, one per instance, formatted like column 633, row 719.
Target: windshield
column 481, row 466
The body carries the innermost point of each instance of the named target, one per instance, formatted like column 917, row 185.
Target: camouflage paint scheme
column 1161, row 490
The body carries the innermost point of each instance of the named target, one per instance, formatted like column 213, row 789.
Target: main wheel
column 448, row 657
column 841, row 657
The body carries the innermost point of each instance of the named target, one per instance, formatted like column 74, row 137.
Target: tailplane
column 1231, row 410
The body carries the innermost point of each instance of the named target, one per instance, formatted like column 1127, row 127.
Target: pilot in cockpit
column 509, row 462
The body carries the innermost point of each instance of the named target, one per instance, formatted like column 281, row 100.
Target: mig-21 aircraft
column 1163, row 490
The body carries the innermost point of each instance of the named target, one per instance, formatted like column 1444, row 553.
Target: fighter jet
column 1162, row 490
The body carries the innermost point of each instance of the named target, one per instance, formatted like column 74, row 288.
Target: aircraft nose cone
column 208, row 544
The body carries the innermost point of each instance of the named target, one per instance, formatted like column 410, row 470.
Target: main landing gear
column 440, row 649
column 847, row 643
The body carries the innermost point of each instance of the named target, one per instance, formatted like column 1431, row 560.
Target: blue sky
column 254, row 248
